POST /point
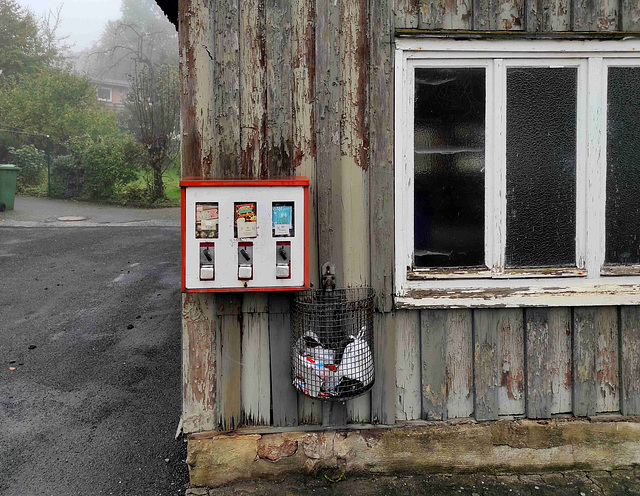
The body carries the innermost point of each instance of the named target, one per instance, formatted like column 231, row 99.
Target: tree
column 142, row 47
column 154, row 106
column 55, row 102
column 20, row 40
column 28, row 45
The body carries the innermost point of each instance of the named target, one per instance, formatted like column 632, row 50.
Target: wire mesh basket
column 332, row 343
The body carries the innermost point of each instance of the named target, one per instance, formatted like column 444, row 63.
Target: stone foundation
column 515, row 446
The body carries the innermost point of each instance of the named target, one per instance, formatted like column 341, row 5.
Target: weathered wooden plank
column 445, row 14
column 284, row 399
column 548, row 361
column 328, row 88
column 511, row 353
column 228, row 358
column 560, row 357
column 383, row 392
column 255, row 384
column 381, row 165
column 499, row 15
column 630, row 15
column 433, row 330
column 196, row 81
column 354, row 142
column 406, row 13
column 334, row 413
column 279, row 87
column 630, row 351
column 548, row 15
column 226, row 48
column 499, row 363
column 328, row 113
column 595, row 15
column 459, row 361
column 487, row 363
column 408, row 365
column 584, row 361
column 199, row 406
column 253, row 115
column 309, row 410
column 303, row 120
column 607, row 360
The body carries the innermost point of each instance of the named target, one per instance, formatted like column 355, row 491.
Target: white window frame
column 110, row 99
column 589, row 282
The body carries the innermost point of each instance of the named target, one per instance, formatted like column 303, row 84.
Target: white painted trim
column 496, row 55
column 514, row 48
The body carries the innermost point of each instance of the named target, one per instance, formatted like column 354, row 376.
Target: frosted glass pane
column 449, row 167
column 623, row 166
column 541, row 167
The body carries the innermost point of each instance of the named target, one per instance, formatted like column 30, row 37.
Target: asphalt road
column 90, row 361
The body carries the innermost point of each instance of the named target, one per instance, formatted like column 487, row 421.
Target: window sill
column 577, row 293
column 524, row 273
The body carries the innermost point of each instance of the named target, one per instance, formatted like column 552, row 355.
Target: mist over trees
column 142, row 48
column 48, row 100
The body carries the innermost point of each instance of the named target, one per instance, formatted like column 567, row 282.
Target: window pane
column 623, row 166
column 541, row 166
column 449, row 167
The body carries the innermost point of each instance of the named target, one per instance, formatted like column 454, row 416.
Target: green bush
column 94, row 169
column 32, row 166
column 66, row 177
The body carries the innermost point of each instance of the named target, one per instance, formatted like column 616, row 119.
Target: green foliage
column 32, row 165
column 58, row 103
column 95, row 169
column 22, row 46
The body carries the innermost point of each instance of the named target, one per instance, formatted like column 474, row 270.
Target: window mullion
column 596, row 166
column 496, row 198
column 582, row 167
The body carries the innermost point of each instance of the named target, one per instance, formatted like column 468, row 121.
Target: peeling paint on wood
column 226, row 46
column 228, row 359
column 630, row 15
column 548, row 361
column 584, row 361
column 511, row 352
column 381, row 162
column 196, row 88
column 459, row 364
column 406, row 13
column 630, row 351
column 255, row 385
column 548, row 15
column 384, row 388
column 446, row 14
column 309, row 410
column 607, row 360
column 253, row 118
column 408, row 365
column 284, row 398
column 303, row 119
column 433, row 330
column 279, row 88
column 502, row 15
column 595, row 15
column 486, row 368
column 199, row 359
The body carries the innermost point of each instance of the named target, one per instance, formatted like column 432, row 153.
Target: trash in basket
column 332, row 339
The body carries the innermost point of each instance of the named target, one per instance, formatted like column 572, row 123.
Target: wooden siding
column 535, row 16
column 274, row 88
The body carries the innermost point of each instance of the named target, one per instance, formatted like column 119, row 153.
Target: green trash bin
column 8, row 177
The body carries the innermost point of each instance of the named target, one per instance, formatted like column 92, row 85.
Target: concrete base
column 505, row 446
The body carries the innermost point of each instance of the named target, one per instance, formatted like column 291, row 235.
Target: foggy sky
column 82, row 20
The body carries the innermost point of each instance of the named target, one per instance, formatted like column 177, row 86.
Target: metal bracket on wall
column 328, row 274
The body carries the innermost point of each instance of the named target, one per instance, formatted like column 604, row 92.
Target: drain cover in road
column 72, row 218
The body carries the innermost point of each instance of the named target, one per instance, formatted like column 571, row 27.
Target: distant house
column 112, row 92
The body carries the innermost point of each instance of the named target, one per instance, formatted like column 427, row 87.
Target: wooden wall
column 292, row 87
